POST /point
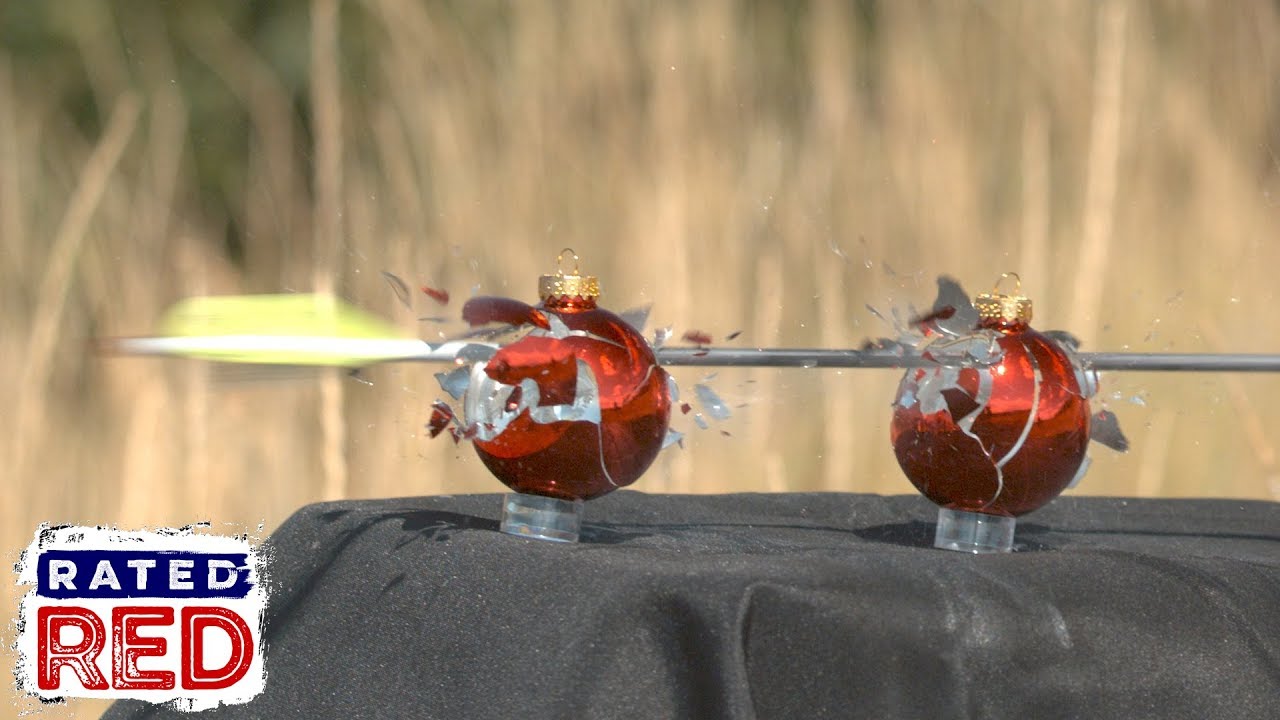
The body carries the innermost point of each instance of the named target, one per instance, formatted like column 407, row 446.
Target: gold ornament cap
column 568, row 285
column 996, row 305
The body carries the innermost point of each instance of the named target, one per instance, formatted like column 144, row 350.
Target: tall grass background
column 771, row 168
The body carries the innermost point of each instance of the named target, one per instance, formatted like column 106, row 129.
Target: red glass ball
column 1002, row 439
column 603, row 403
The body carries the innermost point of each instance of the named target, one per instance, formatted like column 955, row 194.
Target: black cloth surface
column 770, row 606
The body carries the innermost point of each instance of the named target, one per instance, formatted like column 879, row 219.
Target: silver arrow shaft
column 356, row 352
column 824, row 358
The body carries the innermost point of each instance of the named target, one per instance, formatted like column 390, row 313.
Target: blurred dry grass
column 752, row 166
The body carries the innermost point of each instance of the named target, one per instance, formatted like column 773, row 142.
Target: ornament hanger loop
column 560, row 262
column 1017, row 286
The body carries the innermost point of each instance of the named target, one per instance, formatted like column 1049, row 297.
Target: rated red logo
column 169, row 616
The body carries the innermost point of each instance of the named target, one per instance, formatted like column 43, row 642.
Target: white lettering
column 62, row 572
column 104, row 575
column 142, row 566
column 180, row 574
column 232, row 574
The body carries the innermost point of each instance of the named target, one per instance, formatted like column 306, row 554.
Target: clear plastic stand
column 973, row 532
column 544, row 518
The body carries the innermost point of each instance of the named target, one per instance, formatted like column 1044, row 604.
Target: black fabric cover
column 770, row 606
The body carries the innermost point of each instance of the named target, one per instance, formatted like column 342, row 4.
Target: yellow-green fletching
column 283, row 329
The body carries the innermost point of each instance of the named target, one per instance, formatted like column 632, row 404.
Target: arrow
column 323, row 331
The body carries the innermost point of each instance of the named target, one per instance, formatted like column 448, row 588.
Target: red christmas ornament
column 575, row 409
column 997, row 437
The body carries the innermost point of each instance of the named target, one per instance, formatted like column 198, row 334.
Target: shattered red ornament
column 997, row 430
column 574, row 409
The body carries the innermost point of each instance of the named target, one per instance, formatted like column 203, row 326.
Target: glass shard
column 833, row 247
column 986, row 384
column 637, row 317
column 490, row 404
column 486, row 309
column 1104, row 428
column 441, row 416
column 544, row 361
column 475, row 352
column 871, row 309
column 455, row 381
column 459, row 434
column 1086, row 378
column 983, row 348
column 711, row 402
column 513, row 400
column 932, row 399
column 583, row 405
column 556, row 327
column 925, row 321
column 485, row 403
column 952, row 295
column 441, row 296
column 697, row 337
column 398, row 286
column 661, row 336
